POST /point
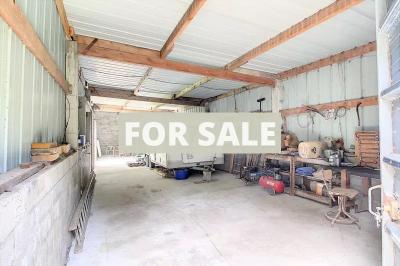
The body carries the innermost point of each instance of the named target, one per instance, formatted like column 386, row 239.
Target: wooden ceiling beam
column 84, row 41
column 183, row 23
column 321, row 16
column 69, row 31
column 158, row 62
column 124, row 109
column 189, row 15
column 333, row 59
column 19, row 23
column 127, row 95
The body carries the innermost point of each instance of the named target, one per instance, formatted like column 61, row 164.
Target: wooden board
column 45, row 157
column 15, row 176
column 368, row 101
column 47, row 145
column 19, row 23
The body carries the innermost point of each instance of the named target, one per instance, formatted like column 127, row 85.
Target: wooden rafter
column 90, row 45
column 84, row 41
column 123, row 109
column 183, row 23
column 69, row 31
column 314, row 20
column 18, row 22
column 368, row 101
column 142, row 80
column 295, row 30
column 127, row 95
column 157, row 62
column 189, row 15
column 333, row 59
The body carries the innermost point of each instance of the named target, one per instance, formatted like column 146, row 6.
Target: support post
column 71, row 102
column 276, row 96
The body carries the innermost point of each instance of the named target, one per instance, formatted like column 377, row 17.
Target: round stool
column 341, row 215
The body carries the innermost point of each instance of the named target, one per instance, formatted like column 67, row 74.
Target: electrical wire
column 67, row 122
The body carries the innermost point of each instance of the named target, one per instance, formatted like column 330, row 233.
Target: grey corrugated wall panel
column 245, row 101
column 352, row 79
column 194, row 109
column 32, row 104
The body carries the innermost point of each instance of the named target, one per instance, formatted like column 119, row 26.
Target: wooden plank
column 333, row 59
column 18, row 22
column 43, row 145
column 45, row 157
column 142, row 80
column 312, row 196
column 90, row 45
column 17, row 175
column 189, row 15
column 127, row 95
column 84, row 41
column 158, row 62
column 326, row 106
column 123, row 109
column 64, row 20
column 322, row 15
column 337, row 58
column 234, row 92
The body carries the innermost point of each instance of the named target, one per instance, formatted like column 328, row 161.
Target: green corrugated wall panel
column 32, row 104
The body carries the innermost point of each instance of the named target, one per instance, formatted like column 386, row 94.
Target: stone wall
column 107, row 129
column 35, row 215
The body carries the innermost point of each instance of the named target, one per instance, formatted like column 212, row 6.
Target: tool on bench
column 260, row 102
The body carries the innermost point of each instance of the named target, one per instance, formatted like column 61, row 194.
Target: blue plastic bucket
column 182, row 174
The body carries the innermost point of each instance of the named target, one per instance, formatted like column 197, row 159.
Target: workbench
column 345, row 172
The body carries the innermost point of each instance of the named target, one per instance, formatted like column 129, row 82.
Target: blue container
column 182, row 174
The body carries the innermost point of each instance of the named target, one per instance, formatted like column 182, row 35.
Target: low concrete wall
column 35, row 216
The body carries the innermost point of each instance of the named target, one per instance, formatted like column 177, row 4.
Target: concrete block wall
column 107, row 129
column 35, row 215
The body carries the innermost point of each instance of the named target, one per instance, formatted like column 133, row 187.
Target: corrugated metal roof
column 165, row 83
column 352, row 28
column 215, row 87
column 102, row 72
column 222, row 31
column 225, row 29
column 137, row 22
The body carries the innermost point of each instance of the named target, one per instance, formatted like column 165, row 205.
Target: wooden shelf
column 313, row 196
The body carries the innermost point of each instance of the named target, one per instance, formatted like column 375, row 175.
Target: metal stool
column 341, row 215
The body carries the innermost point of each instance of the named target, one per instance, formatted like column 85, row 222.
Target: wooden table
column 345, row 171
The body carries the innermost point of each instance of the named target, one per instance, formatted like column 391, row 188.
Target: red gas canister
column 269, row 182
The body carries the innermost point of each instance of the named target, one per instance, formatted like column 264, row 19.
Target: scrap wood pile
column 48, row 152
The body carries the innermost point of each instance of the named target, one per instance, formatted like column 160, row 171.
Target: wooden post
column 366, row 184
column 71, row 105
column 292, row 175
column 344, row 179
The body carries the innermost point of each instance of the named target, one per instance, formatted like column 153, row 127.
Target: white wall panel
column 245, row 101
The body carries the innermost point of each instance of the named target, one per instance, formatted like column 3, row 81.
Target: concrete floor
column 139, row 218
